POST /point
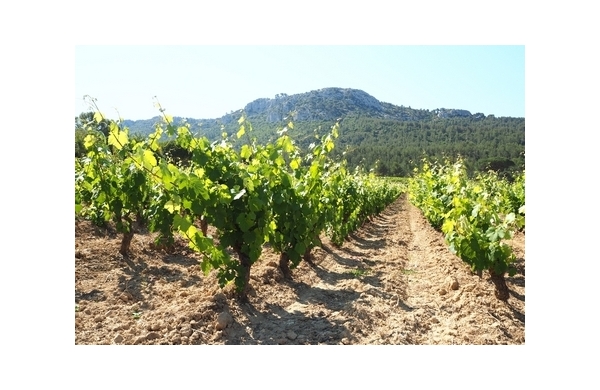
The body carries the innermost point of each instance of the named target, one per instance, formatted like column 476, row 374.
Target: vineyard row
column 477, row 215
column 252, row 194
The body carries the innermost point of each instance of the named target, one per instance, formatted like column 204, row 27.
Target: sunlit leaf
column 116, row 137
column 246, row 151
column 241, row 132
column 294, row 164
column 89, row 140
column 149, row 159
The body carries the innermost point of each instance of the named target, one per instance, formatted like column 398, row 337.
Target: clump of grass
column 357, row 273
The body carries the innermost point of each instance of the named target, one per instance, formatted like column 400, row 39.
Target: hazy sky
column 210, row 81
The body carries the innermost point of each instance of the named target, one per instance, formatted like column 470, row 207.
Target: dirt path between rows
column 394, row 281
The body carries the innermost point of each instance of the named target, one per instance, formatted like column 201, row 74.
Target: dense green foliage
column 355, row 196
column 251, row 193
column 393, row 146
column 490, row 143
column 110, row 181
column 476, row 215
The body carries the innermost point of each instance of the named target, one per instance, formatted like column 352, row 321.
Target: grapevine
column 251, row 194
column 476, row 215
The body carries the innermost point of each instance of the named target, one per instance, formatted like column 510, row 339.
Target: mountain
column 374, row 133
column 327, row 104
column 332, row 103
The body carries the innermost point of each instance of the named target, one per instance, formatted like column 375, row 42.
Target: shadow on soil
column 141, row 279
column 274, row 325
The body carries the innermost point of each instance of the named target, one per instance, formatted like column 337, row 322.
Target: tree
column 85, row 121
column 382, row 169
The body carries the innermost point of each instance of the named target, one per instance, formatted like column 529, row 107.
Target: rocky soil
column 394, row 281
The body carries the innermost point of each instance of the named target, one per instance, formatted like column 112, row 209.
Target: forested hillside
column 389, row 138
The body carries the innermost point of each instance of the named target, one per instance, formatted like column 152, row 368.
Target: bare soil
column 394, row 281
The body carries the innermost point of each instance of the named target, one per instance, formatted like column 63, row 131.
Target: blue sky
column 211, row 80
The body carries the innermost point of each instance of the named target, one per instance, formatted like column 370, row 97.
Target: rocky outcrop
column 322, row 104
column 334, row 103
column 327, row 104
column 451, row 113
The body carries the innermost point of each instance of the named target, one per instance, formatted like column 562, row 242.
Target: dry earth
column 392, row 282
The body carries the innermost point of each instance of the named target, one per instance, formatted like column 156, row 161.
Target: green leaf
column 314, row 170
column 279, row 161
column 245, row 221
column 241, row 132
column 116, row 137
column 448, row 226
column 246, row 151
column 171, row 206
column 249, row 184
column 300, row 248
column 89, row 140
column 329, row 145
column 154, row 138
column 206, row 266
column 294, row 164
column 286, row 144
column 149, row 160
column 181, row 223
